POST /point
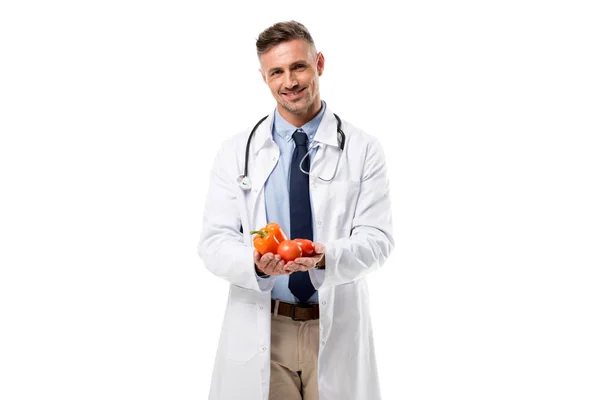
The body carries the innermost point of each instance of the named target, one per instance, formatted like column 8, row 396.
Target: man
column 301, row 329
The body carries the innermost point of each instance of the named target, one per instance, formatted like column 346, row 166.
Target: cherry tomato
column 308, row 247
column 276, row 230
column 289, row 250
column 265, row 243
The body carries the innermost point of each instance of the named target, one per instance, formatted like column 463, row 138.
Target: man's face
column 292, row 71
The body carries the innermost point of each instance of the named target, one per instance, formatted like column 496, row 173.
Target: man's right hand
column 270, row 264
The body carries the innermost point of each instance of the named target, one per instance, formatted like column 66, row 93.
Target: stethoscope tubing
column 244, row 181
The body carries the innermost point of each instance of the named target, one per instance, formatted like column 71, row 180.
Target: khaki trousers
column 294, row 354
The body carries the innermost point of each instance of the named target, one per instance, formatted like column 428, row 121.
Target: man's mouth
column 293, row 95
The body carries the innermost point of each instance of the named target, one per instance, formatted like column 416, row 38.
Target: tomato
column 308, row 247
column 276, row 230
column 265, row 243
column 289, row 250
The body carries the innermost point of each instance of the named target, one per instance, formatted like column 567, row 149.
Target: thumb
column 319, row 248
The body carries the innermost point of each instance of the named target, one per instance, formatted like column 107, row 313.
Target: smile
column 293, row 95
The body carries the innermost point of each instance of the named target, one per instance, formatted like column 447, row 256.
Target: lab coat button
column 314, row 185
column 318, row 222
column 264, row 349
column 323, row 342
column 323, row 302
column 261, row 307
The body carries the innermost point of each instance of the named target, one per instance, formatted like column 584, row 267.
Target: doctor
column 297, row 330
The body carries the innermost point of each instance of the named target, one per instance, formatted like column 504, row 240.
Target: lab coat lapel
column 264, row 156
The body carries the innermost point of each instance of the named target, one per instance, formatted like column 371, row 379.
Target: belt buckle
column 299, row 305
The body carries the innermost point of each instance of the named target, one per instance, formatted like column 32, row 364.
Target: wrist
column 259, row 272
column 321, row 263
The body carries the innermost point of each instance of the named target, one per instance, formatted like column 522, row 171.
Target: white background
column 110, row 114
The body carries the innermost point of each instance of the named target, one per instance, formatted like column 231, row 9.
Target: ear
column 320, row 63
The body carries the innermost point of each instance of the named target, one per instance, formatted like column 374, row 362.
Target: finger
column 306, row 261
column 267, row 266
column 264, row 262
column 256, row 257
column 273, row 264
column 286, row 271
column 303, row 267
column 278, row 269
column 266, row 258
column 292, row 266
column 319, row 248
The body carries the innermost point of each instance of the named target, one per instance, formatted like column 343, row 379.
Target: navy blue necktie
column 300, row 213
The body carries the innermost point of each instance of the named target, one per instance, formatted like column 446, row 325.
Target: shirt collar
column 285, row 130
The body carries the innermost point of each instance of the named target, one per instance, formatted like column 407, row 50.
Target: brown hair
column 281, row 32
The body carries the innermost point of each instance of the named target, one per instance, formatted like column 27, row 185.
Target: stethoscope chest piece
column 244, row 182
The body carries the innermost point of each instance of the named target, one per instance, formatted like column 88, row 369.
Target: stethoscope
column 244, row 181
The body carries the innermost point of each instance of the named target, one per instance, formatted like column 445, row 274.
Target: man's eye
column 299, row 67
column 275, row 73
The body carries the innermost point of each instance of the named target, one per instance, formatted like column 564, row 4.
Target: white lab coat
column 351, row 217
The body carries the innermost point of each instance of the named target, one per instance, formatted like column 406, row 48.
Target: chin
column 296, row 108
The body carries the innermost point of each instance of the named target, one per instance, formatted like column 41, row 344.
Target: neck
column 299, row 120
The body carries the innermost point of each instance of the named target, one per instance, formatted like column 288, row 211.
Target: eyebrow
column 291, row 66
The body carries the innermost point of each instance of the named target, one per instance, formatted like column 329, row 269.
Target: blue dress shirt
column 277, row 188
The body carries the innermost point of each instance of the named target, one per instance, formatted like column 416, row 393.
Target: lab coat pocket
column 241, row 331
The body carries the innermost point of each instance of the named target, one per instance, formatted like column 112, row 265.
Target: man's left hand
column 306, row 263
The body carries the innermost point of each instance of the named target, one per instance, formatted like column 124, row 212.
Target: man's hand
column 306, row 263
column 270, row 264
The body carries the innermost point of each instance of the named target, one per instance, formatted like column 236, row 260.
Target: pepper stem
column 261, row 233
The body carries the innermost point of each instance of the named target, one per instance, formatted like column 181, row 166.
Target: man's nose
column 290, row 81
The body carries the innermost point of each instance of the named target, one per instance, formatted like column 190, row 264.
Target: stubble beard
column 297, row 108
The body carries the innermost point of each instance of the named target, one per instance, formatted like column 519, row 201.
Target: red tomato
column 289, row 250
column 308, row 247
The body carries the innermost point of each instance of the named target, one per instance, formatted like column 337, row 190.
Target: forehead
column 286, row 53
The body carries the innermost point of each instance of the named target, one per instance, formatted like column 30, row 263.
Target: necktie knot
column 300, row 138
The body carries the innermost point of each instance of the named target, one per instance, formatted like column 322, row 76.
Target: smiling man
column 292, row 70
column 301, row 329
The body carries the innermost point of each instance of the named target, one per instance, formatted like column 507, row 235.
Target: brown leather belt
column 297, row 312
